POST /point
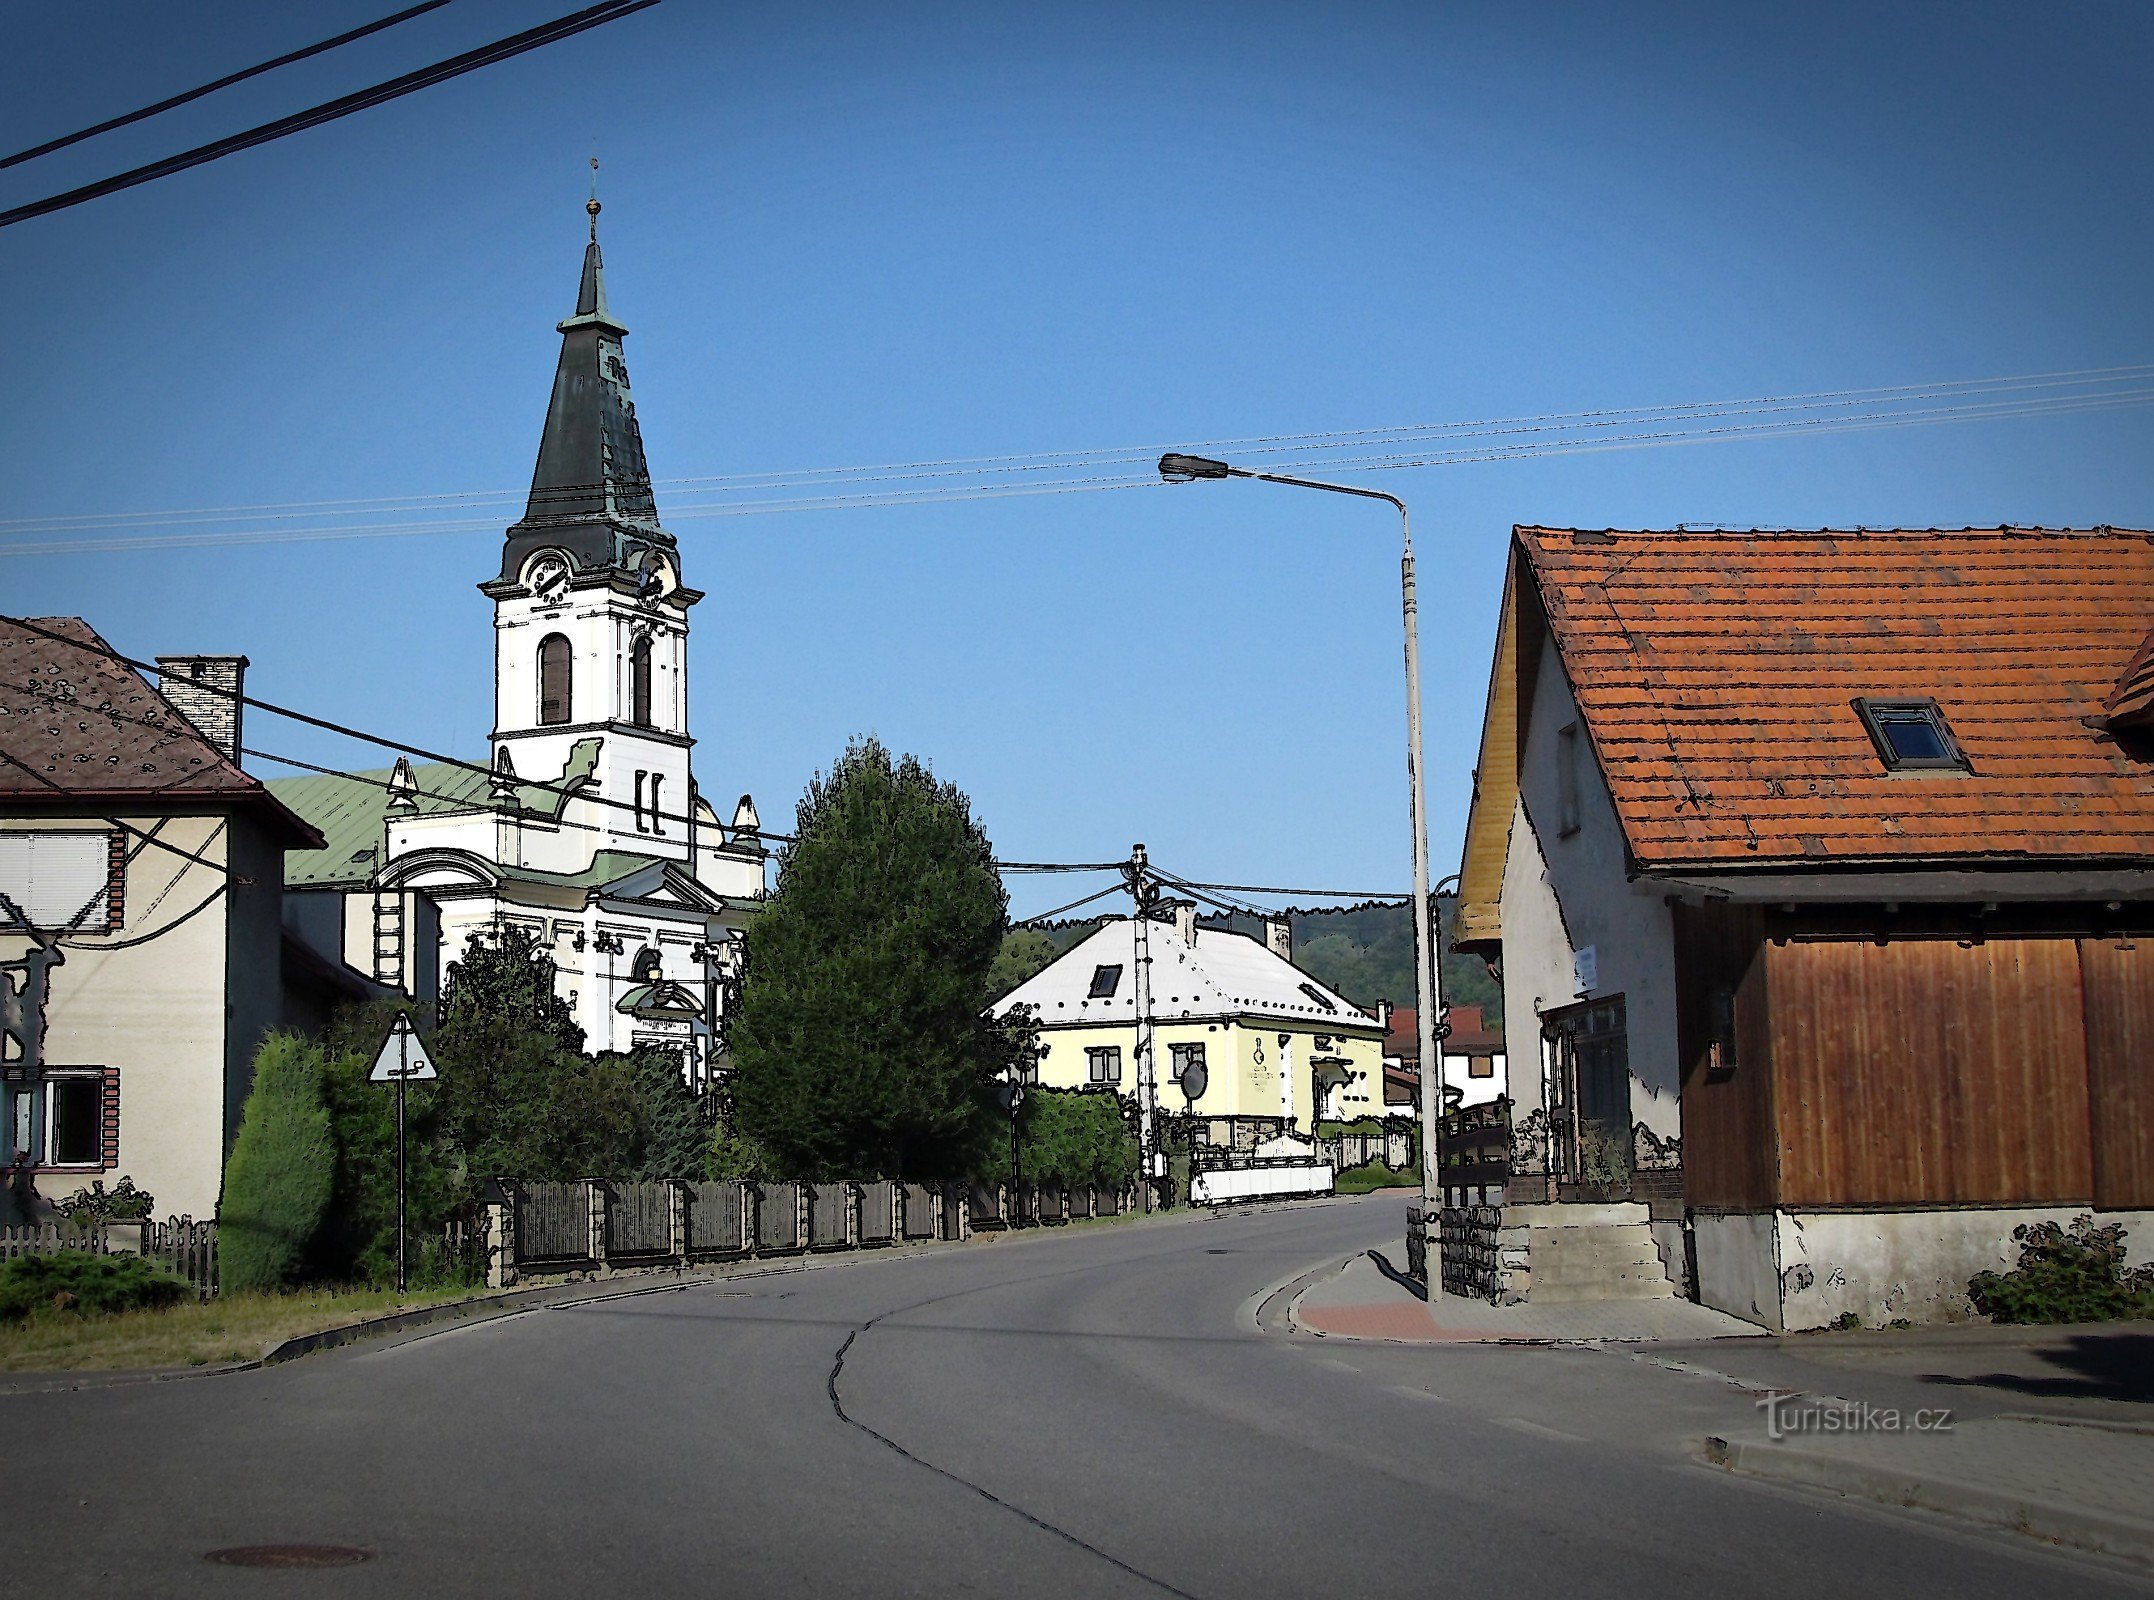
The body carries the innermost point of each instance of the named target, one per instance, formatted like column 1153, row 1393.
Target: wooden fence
column 543, row 1229
column 186, row 1248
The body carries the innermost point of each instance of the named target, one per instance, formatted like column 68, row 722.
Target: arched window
column 639, row 683
column 647, row 966
column 553, row 679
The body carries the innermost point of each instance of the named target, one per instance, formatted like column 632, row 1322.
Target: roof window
column 1104, row 981
column 1911, row 735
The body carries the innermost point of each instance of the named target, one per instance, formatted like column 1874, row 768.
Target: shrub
column 2075, row 1275
column 278, row 1181
column 71, row 1280
column 123, row 1202
column 1069, row 1136
column 1375, row 1175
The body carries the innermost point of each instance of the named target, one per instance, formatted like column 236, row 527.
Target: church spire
column 591, row 490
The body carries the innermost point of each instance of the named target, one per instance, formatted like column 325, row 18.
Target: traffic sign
column 402, row 1058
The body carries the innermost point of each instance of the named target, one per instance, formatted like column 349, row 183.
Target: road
column 1091, row 1411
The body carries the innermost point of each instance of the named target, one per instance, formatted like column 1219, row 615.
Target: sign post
column 401, row 1060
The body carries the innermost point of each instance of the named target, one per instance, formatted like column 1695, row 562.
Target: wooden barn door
column 2117, row 979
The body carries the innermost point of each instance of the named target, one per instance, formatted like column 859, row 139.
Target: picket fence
column 535, row 1230
column 186, row 1248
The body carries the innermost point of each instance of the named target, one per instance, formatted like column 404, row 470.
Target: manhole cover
column 290, row 1555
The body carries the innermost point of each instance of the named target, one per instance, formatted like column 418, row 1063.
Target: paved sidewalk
column 1364, row 1301
column 2085, row 1484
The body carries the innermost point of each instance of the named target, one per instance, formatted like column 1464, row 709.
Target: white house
column 586, row 825
column 1274, row 1043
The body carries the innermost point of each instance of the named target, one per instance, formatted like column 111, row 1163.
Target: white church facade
column 585, row 826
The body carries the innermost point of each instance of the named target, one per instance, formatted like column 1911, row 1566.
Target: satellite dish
column 1194, row 1078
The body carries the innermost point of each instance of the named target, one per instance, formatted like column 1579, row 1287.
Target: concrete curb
column 1996, row 1508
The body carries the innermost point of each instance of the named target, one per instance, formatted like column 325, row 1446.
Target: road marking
column 1540, row 1430
column 1418, row 1394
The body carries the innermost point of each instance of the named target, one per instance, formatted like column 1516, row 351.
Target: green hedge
column 282, row 1170
column 75, row 1281
column 1070, row 1136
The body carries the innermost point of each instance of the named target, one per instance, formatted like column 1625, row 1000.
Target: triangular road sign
column 402, row 1056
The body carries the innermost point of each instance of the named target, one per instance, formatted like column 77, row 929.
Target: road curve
column 1080, row 1412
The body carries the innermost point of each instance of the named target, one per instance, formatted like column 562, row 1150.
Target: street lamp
column 1428, row 976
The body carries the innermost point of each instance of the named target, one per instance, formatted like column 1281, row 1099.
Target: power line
column 843, row 477
column 1807, row 426
column 330, row 110
column 565, row 792
column 224, row 82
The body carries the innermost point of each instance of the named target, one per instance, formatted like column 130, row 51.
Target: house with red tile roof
column 1474, row 1071
column 142, row 952
column 1818, row 868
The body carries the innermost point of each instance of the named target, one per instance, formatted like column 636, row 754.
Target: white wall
column 1627, row 925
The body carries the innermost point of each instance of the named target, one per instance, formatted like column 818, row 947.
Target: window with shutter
column 554, row 673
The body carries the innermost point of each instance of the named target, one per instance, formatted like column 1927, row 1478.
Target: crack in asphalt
column 837, row 1405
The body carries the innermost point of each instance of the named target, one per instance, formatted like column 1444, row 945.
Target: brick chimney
column 1279, row 938
column 191, row 684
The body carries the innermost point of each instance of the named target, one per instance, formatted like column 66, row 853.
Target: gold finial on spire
column 591, row 205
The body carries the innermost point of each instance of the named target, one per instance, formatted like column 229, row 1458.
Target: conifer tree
column 861, row 1045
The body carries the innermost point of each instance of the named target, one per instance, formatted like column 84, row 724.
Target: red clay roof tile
column 1717, row 673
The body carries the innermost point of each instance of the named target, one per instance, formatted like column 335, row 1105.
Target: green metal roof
column 349, row 813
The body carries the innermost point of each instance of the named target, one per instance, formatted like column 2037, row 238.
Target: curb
column 1996, row 1508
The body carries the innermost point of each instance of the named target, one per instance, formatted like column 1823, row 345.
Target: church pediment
column 665, row 882
column 421, row 869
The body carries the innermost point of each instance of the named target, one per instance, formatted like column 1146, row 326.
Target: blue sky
column 845, row 235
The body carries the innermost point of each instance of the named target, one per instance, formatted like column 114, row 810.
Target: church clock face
column 549, row 577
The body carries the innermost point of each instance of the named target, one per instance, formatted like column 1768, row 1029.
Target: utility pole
column 1143, row 891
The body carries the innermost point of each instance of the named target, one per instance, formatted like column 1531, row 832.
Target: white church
column 587, row 828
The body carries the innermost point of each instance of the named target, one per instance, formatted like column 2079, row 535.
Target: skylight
column 1318, row 995
column 1104, row 980
column 1911, row 735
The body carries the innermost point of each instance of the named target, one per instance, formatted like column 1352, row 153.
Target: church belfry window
column 553, row 664
column 639, row 683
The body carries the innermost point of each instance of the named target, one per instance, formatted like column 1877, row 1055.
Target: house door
column 1589, row 1099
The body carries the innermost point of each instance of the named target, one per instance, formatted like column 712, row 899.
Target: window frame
column 639, row 683
column 1879, row 711
column 1106, row 978
column 43, row 1153
column 566, row 659
column 1108, row 1056
column 1182, row 1056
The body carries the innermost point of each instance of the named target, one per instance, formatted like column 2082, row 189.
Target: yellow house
column 1273, row 1041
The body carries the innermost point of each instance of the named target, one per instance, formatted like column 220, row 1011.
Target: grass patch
column 231, row 1328
column 1375, row 1175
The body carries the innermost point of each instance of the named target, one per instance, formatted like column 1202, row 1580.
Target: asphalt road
column 1084, row 1412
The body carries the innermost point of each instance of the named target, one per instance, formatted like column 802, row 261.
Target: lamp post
column 1428, row 978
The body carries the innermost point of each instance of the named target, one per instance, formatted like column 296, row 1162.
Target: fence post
column 855, row 1197
column 751, row 1217
column 800, row 1214
column 500, row 1244
column 594, row 1190
column 677, row 1222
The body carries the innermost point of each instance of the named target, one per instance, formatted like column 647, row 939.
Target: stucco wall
column 1626, row 925
column 1738, row 1265
column 155, row 1011
column 1243, row 1061
column 1536, row 963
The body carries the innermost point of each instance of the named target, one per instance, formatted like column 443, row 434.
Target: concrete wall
column 1796, row 1270
column 1738, row 1265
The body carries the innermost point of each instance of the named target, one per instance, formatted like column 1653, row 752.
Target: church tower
column 590, row 613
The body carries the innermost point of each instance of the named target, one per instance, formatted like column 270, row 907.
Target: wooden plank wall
column 1930, row 1072
column 1730, row 1161
column 2119, row 991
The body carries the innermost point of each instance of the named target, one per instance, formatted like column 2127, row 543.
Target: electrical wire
column 224, row 82
column 1077, row 471
column 330, row 110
